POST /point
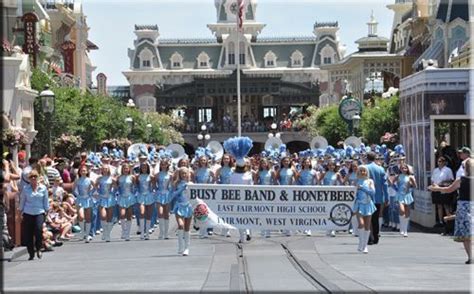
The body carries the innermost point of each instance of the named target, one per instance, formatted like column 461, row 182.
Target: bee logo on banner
column 274, row 207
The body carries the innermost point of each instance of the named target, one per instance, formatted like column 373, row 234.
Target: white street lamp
column 47, row 99
column 203, row 128
column 200, row 137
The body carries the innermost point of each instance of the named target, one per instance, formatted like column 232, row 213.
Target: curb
column 15, row 253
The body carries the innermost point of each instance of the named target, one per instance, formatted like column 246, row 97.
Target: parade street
column 421, row 262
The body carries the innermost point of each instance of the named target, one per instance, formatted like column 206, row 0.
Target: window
column 269, row 111
column 205, row 115
column 270, row 59
column 328, row 54
column 242, row 53
column 145, row 57
column 231, row 57
column 176, row 60
column 147, row 104
column 296, row 59
column 203, row 60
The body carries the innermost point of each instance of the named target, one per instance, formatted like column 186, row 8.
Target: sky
column 112, row 23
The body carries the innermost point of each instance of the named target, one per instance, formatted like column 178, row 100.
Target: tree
column 375, row 121
column 381, row 118
column 96, row 118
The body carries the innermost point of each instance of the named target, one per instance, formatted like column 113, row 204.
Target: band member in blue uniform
column 405, row 184
column 223, row 175
column 364, row 206
column 107, row 201
column 306, row 177
column 163, row 189
column 331, row 177
column 264, row 176
column 82, row 189
column 286, row 175
column 126, row 199
column 145, row 198
column 204, row 175
column 183, row 210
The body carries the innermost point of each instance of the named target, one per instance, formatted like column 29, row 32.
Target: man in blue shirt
column 378, row 175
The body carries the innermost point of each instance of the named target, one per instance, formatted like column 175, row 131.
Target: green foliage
column 325, row 122
column 96, row 118
column 381, row 118
column 375, row 121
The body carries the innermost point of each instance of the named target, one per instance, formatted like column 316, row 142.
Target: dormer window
column 146, row 57
column 297, row 59
column 328, row 54
column 176, row 61
column 270, row 59
column 203, row 60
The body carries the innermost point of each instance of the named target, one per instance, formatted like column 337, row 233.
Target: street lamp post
column 48, row 100
column 372, row 78
column 273, row 131
column 148, row 131
column 355, row 123
column 203, row 136
column 129, row 121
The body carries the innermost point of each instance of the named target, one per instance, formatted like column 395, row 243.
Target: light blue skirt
column 85, row 202
column 126, row 201
column 107, row 202
column 149, row 199
column 363, row 208
column 405, row 198
column 163, row 197
column 184, row 210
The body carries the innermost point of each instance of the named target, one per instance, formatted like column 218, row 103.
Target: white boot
column 109, row 230
column 147, row 227
column 366, row 240
column 186, row 243
column 166, row 227
column 402, row 225
column 87, row 229
column 361, row 240
column 380, row 223
column 123, row 224
column 142, row 229
column 128, row 225
column 355, row 226
column 161, row 235
column 103, row 224
column 81, row 235
column 407, row 221
column 180, row 241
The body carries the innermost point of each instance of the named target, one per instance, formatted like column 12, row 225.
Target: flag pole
column 239, row 102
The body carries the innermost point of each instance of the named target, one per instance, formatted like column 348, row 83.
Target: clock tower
column 227, row 13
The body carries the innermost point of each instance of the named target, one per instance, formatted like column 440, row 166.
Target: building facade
column 279, row 76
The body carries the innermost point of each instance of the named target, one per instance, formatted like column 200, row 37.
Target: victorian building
column 279, row 76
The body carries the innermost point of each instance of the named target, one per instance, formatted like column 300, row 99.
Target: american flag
column 240, row 19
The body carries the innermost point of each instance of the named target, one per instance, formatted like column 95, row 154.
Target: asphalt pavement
column 422, row 262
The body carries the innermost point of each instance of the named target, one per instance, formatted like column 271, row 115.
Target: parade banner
column 275, row 207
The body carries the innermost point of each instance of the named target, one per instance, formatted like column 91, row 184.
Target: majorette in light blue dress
column 83, row 192
column 163, row 189
column 145, row 190
column 330, row 179
column 203, row 175
column 182, row 206
column 307, row 177
column 225, row 174
column 286, row 176
column 264, row 177
column 404, row 195
column 352, row 179
column 126, row 191
column 106, row 192
column 364, row 205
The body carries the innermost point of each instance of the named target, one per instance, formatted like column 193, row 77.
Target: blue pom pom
column 282, row 148
column 105, row 150
column 238, row 147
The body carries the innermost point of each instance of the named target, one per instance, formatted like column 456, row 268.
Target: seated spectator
column 57, row 223
column 57, row 190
